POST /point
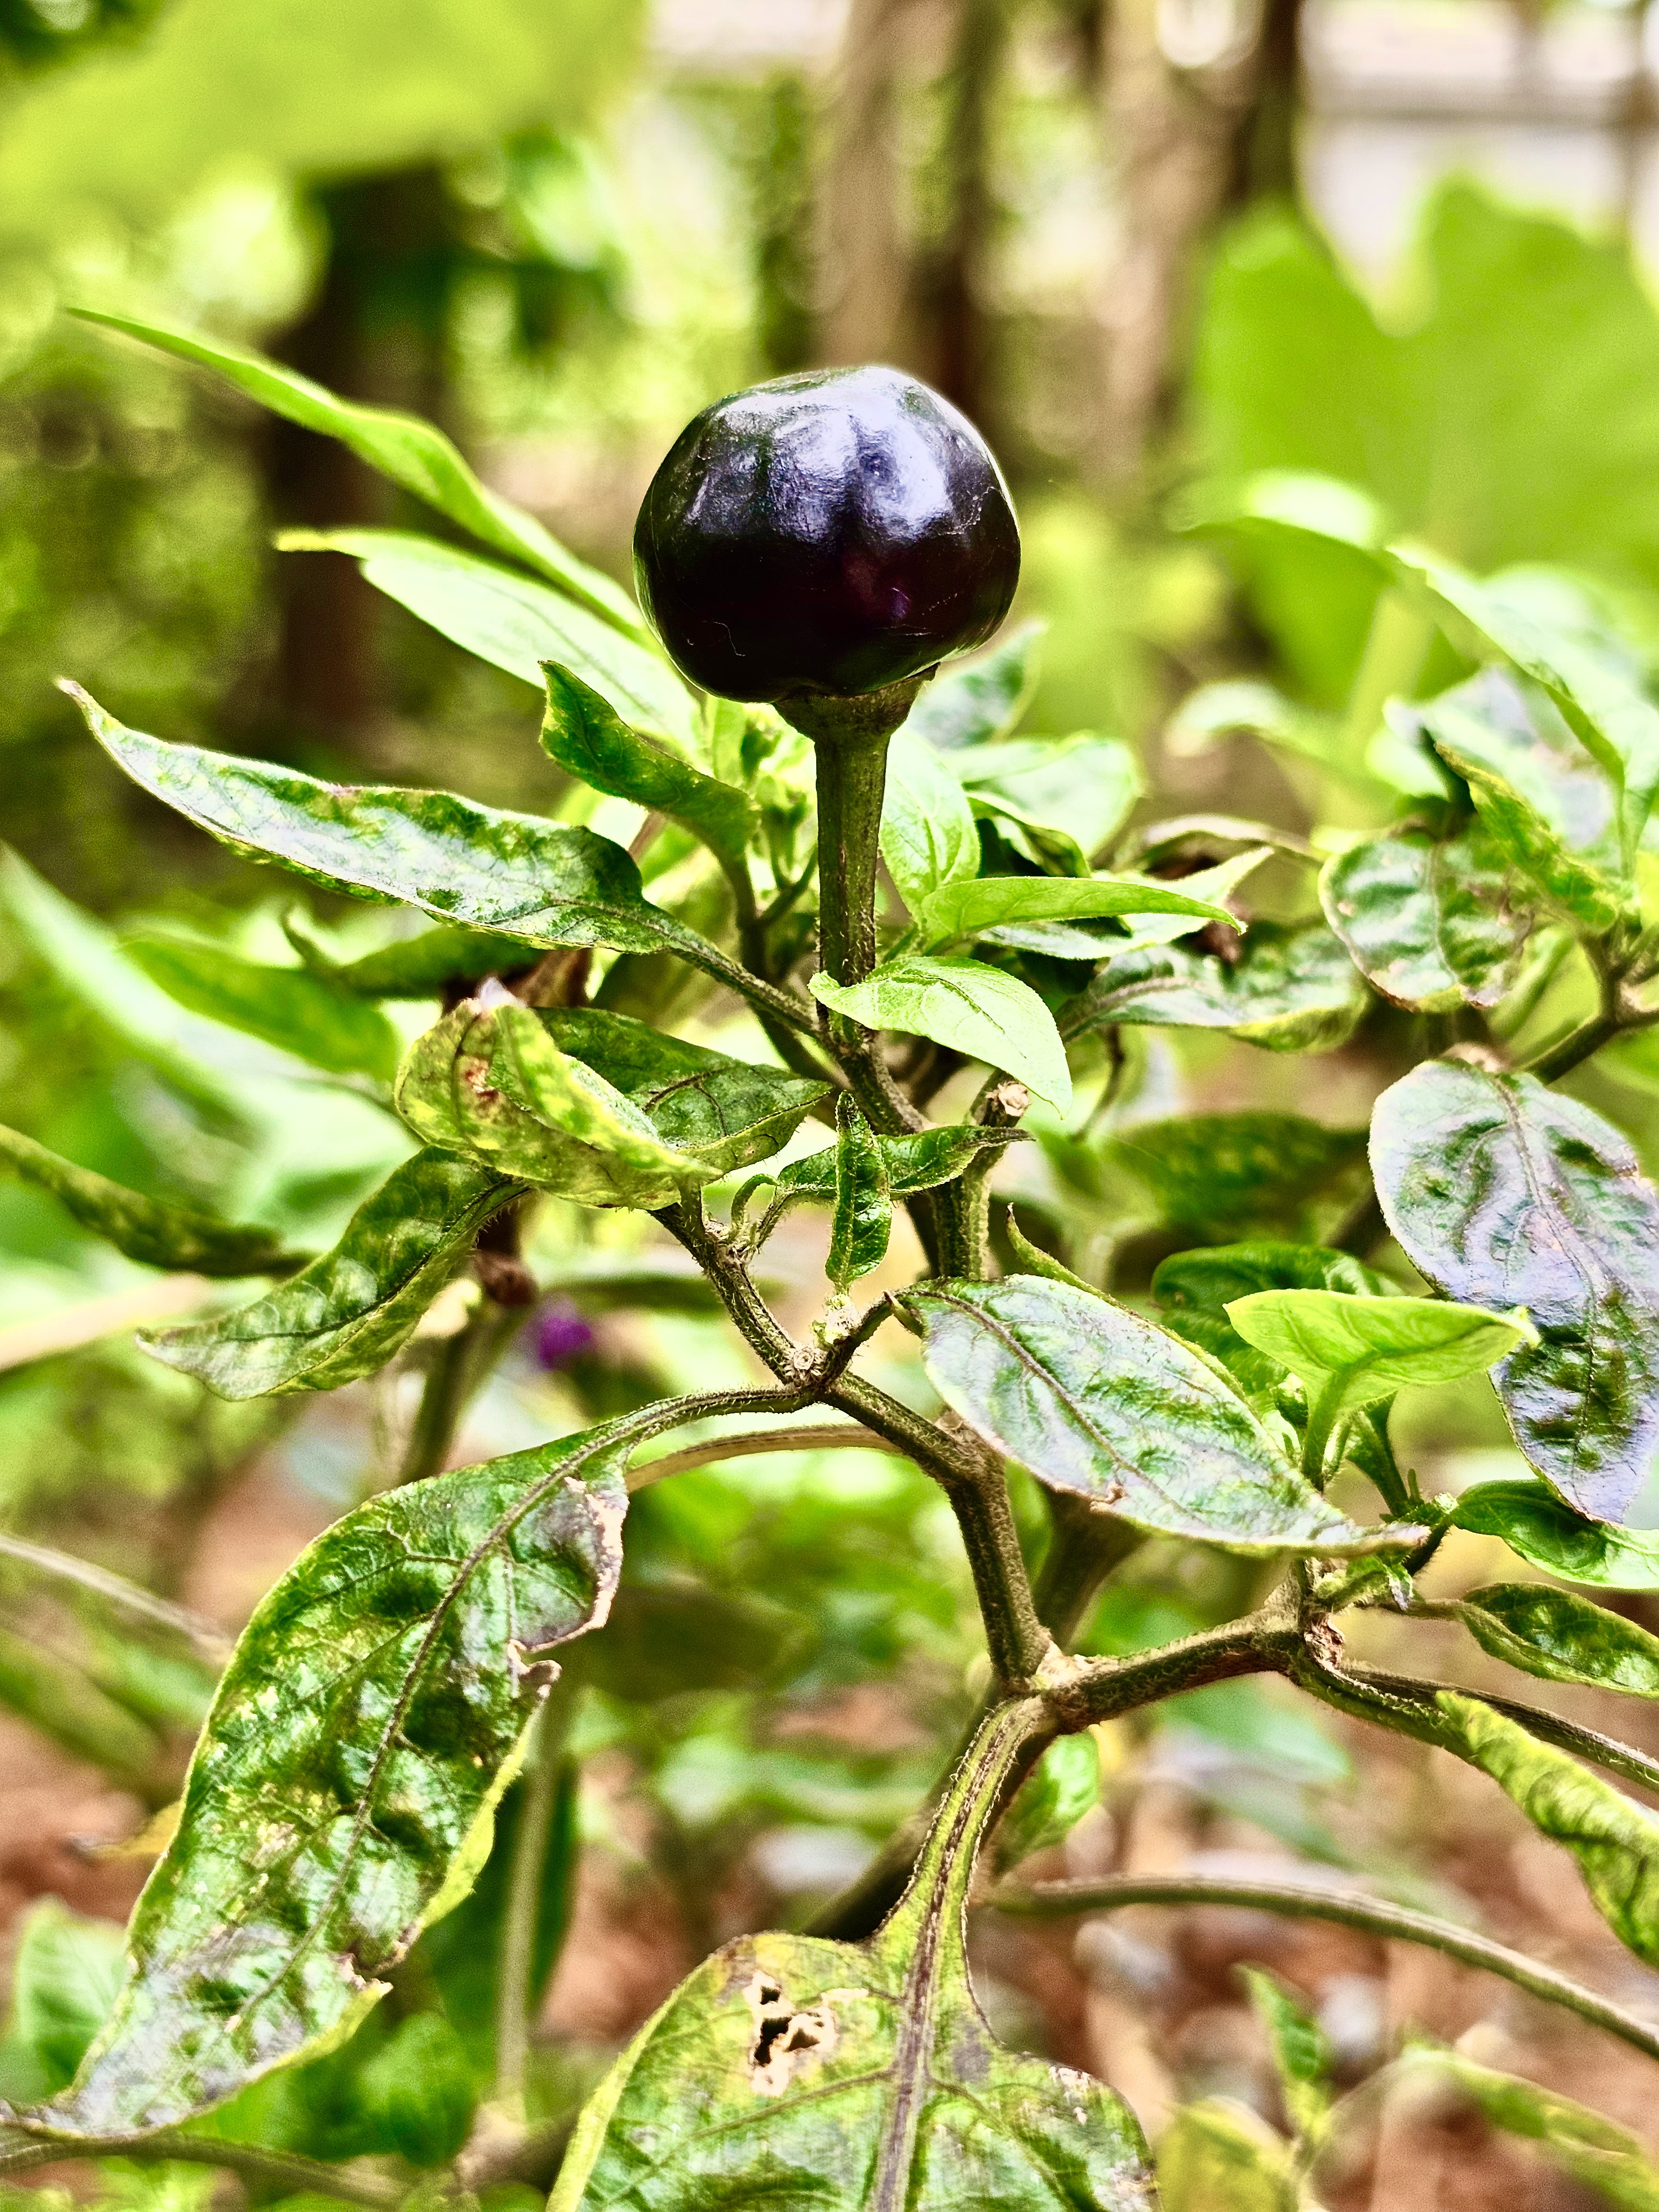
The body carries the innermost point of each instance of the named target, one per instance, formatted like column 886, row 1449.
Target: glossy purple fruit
column 832, row 531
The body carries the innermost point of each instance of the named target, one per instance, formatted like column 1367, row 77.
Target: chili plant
column 813, row 557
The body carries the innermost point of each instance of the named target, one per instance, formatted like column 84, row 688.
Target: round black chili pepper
column 835, row 532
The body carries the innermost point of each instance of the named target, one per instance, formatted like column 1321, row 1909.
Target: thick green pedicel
column 1503, row 1193
column 808, row 2073
column 1092, row 1399
column 341, row 1795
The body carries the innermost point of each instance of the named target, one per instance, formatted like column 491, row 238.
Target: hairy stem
column 1372, row 1916
column 804, row 1436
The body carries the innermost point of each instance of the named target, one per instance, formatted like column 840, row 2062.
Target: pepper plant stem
column 1372, row 1916
column 286, row 2170
column 514, row 1993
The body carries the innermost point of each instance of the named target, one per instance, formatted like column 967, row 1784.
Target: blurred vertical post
column 863, row 267
column 962, row 366
column 1201, row 100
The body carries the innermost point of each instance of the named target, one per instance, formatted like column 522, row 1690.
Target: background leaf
column 976, row 1010
column 1222, row 1174
column 1503, row 1193
column 348, row 1312
column 323, row 1827
column 1056, row 802
column 288, row 1007
column 1592, row 2150
column 971, row 702
column 1219, row 2156
column 1536, row 1526
column 67, row 1972
column 1301, row 2053
column 1090, row 1398
column 964, row 908
column 145, row 1229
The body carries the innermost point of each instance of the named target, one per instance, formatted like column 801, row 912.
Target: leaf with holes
column 861, row 1217
column 1092, row 1399
column 1432, row 924
column 1615, row 1840
column 1562, row 1639
column 975, row 1010
column 488, row 1081
column 414, row 454
column 514, row 622
column 342, row 1795
column 587, row 737
column 347, row 1313
column 1502, row 1193
column 147, row 1229
column 807, row 2073
column 288, row 1007
column 1293, row 990
column 517, row 875
column 1360, row 1349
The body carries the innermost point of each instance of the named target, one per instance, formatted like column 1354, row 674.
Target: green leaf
column 1055, row 801
column 1293, row 990
column 1615, row 1840
column 971, row 703
column 1502, row 1193
column 1432, row 924
column 928, row 835
column 969, row 909
column 862, row 1219
column 67, row 1972
column 1301, row 2053
column 348, row 1312
column 920, row 1160
column 1517, row 787
column 1223, row 1173
column 1593, row 2151
column 418, row 2092
column 1092, row 1399
column 1604, row 702
column 542, row 882
column 1218, row 2156
column 414, row 454
column 417, row 967
column 288, row 1007
column 1374, row 1345
column 1208, row 1280
column 513, row 623
column 1539, row 1529
column 1062, row 1787
column 71, row 1710
column 342, row 1794
column 725, row 1113
column 806, row 2073
column 490, row 1081
column 975, row 1010
column 146, row 1229
column 585, row 734
column 672, row 1634
column 1563, row 1638
column 89, row 961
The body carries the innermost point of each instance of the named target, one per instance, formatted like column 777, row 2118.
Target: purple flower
column 559, row 1335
